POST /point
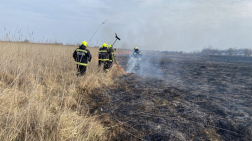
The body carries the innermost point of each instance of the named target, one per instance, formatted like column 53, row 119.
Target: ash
column 193, row 98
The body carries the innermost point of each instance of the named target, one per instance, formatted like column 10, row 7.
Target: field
column 174, row 97
column 41, row 98
column 184, row 97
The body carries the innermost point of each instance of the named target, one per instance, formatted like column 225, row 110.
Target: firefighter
column 137, row 56
column 103, row 53
column 105, row 57
column 82, row 55
column 100, row 56
column 111, row 56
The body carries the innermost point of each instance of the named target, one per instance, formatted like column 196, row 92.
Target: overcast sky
column 181, row 25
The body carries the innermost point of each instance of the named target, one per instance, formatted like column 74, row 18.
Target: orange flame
column 128, row 53
column 96, row 58
column 121, row 68
column 117, row 53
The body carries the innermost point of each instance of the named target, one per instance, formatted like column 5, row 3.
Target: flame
column 96, row 58
column 121, row 68
column 117, row 53
column 127, row 53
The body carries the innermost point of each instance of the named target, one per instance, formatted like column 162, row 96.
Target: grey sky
column 181, row 25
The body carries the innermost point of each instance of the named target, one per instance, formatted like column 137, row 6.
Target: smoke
column 161, row 25
column 148, row 66
column 181, row 26
column 132, row 62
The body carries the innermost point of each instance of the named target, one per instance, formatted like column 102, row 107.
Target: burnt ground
column 184, row 98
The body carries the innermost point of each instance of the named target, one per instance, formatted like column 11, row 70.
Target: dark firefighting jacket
column 103, row 53
column 100, row 56
column 111, row 54
column 137, row 54
column 82, row 55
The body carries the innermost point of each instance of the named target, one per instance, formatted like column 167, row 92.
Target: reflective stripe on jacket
column 111, row 54
column 103, row 54
column 81, row 56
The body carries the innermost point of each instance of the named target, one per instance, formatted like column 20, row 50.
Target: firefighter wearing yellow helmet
column 137, row 55
column 111, row 51
column 100, row 56
column 82, row 55
column 104, row 56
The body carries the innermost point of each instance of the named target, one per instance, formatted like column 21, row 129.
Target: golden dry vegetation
column 41, row 98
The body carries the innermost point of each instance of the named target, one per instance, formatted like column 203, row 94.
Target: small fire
column 96, row 58
column 121, row 68
column 127, row 53
column 116, row 53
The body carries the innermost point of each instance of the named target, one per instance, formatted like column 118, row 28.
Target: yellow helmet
column 84, row 43
column 110, row 46
column 104, row 45
column 135, row 48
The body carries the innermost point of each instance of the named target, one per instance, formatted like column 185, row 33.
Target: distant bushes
column 230, row 51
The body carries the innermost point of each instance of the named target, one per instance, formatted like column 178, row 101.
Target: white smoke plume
column 144, row 66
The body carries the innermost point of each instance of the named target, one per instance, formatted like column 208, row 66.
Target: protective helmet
column 104, row 45
column 110, row 46
column 84, row 43
column 135, row 48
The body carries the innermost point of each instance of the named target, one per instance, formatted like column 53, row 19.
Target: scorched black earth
column 194, row 98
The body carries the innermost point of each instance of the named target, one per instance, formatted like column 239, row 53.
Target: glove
column 115, row 49
column 89, row 60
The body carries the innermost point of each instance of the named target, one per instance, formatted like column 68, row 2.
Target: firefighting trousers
column 106, row 66
column 110, row 64
column 81, row 70
column 100, row 62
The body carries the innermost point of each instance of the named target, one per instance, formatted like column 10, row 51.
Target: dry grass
column 42, row 99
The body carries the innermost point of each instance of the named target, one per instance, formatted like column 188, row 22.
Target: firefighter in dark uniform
column 100, row 56
column 111, row 56
column 105, row 57
column 138, row 57
column 103, row 54
column 82, row 55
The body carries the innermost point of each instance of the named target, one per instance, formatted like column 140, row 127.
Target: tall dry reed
column 41, row 98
